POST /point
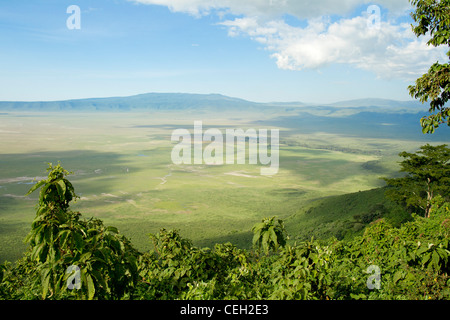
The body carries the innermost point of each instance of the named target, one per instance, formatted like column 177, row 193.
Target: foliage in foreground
column 427, row 176
column 432, row 18
column 74, row 258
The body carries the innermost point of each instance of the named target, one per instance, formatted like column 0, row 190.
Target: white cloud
column 302, row 9
column 390, row 50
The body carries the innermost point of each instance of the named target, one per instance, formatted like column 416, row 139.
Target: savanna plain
column 124, row 175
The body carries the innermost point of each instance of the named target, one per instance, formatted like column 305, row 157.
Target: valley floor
column 123, row 173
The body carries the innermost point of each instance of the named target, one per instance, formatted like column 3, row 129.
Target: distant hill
column 379, row 124
column 187, row 101
column 383, row 103
column 148, row 101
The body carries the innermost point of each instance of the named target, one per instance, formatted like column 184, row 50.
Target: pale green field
column 124, row 174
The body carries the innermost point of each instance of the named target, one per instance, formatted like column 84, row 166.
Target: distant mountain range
column 184, row 101
column 377, row 118
column 148, row 101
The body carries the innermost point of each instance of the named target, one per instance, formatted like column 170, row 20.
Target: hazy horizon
column 220, row 94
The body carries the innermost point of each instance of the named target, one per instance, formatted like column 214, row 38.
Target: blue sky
column 260, row 50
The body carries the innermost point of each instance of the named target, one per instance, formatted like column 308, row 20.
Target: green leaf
column 265, row 241
column 435, row 259
column 85, row 256
column 112, row 229
column 78, row 240
column 90, row 286
column 314, row 257
column 256, row 236
column 63, row 237
column 43, row 192
column 45, row 282
column 397, row 276
column 258, row 227
column 51, row 254
column 422, row 249
column 34, row 252
column 426, row 258
column 273, row 236
column 61, row 187
column 36, row 186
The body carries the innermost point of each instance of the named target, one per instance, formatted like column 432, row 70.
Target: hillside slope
column 342, row 216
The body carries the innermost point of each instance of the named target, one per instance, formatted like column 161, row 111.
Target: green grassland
column 123, row 173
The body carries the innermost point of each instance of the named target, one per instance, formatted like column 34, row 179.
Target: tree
column 61, row 242
column 433, row 17
column 269, row 235
column 428, row 175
